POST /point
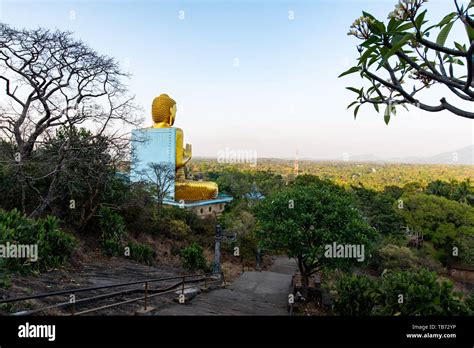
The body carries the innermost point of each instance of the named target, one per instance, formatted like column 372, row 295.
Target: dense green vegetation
column 89, row 196
column 389, row 198
column 54, row 247
column 371, row 175
column 453, row 190
column 447, row 224
column 401, row 293
column 373, row 211
column 440, row 209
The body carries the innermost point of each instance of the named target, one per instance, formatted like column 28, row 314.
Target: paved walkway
column 254, row 293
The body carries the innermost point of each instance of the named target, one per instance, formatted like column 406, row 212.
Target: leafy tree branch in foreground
column 401, row 59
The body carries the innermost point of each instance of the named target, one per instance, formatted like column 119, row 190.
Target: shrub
column 141, row 253
column 192, row 258
column 112, row 224
column 422, row 294
column 54, row 246
column 5, row 280
column 470, row 304
column 178, row 230
column 402, row 293
column 356, row 295
column 112, row 247
column 113, row 229
column 396, row 258
column 113, row 232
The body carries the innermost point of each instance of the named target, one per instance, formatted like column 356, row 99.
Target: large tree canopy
column 401, row 59
column 52, row 81
column 304, row 218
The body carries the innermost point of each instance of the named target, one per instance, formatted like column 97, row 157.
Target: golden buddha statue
column 163, row 111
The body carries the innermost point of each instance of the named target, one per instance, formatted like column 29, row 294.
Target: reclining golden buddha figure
column 164, row 114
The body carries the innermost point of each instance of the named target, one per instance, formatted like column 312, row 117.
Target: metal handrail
column 156, row 292
column 134, row 300
column 73, row 291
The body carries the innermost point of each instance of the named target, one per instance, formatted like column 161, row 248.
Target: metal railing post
column 223, row 278
column 146, row 295
column 217, row 251
column 73, row 305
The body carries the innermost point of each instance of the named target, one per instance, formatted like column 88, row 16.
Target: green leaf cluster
column 399, row 293
column 55, row 247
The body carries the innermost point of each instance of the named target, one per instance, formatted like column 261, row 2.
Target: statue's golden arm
column 183, row 154
column 187, row 153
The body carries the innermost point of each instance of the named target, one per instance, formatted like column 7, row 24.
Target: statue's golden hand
column 188, row 153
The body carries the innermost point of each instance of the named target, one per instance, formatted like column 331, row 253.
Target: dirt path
column 254, row 293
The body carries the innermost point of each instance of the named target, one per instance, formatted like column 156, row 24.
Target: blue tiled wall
column 150, row 145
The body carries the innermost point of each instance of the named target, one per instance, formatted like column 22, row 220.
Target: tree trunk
column 304, row 276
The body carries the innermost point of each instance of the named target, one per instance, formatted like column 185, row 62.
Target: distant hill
column 461, row 156
column 365, row 158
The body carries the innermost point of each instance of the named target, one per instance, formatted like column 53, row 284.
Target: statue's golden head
column 163, row 109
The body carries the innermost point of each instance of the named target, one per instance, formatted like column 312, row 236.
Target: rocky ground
column 96, row 272
column 93, row 269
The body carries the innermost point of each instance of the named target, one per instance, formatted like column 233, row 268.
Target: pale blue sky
column 283, row 95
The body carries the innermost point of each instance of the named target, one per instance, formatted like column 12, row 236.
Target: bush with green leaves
column 112, row 244
column 110, row 247
column 470, row 304
column 113, row 230
column 177, row 229
column 55, row 247
column 356, row 295
column 5, row 280
column 400, row 293
column 141, row 253
column 192, row 258
column 395, row 258
column 423, row 294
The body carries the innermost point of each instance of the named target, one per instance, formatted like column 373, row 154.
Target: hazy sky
column 252, row 75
